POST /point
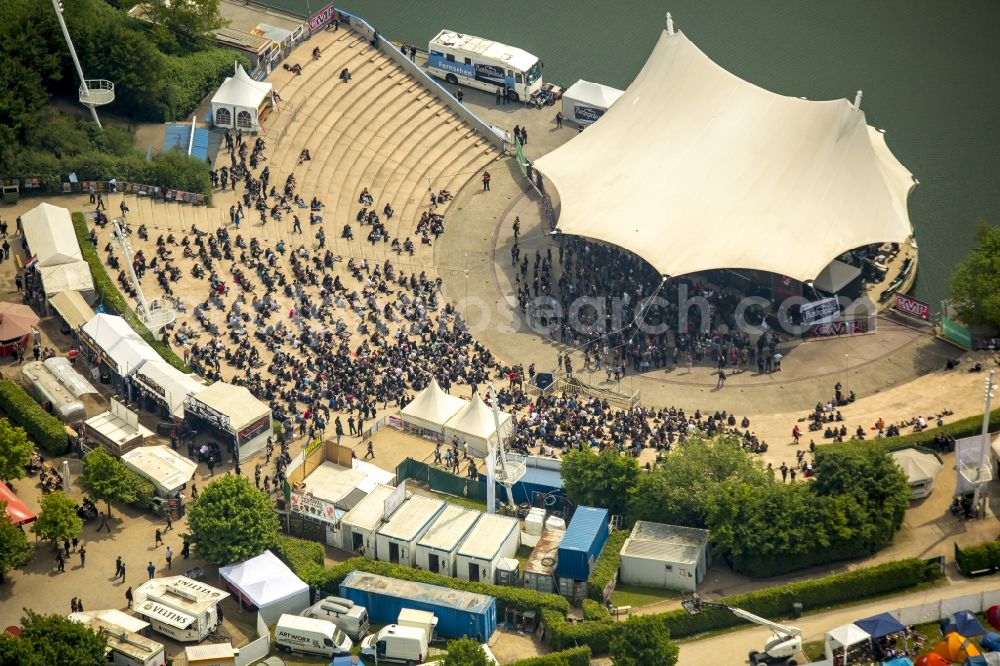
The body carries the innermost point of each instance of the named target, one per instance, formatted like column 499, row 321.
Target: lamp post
column 847, row 373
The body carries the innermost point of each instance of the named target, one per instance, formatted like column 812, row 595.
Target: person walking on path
column 66, row 547
column 118, row 567
column 128, row 597
column 157, row 538
column 104, row 523
column 339, row 427
column 486, row 181
column 83, row 557
column 722, row 379
column 170, row 523
column 121, row 571
column 170, row 557
column 151, row 570
column 60, row 563
column 559, row 119
column 371, row 451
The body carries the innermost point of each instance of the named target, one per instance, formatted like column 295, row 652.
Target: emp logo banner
column 913, row 307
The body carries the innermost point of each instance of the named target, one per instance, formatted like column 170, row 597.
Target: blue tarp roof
column 898, row 661
column 964, row 622
column 587, row 522
column 880, row 625
column 549, row 478
column 179, row 136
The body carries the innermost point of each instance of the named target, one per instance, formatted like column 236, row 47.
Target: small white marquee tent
column 167, row 469
column 432, row 407
column 121, row 348
column 51, row 239
column 920, row 470
column 239, row 101
column 475, row 425
column 585, row 102
column 267, row 584
column 842, row 638
column 170, row 386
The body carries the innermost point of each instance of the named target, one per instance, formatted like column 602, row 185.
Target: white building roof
column 515, row 57
column 221, row 651
column 70, row 276
column 448, row 530
column 369, row 511
column 264, row 579
column 331, row 482
column 167, row 469
column 118, row 424
column 414, row 514
column 487, row 536
column 123, row 347
column 174, row 384
column 235, row 402
column 241, row 90
column 121, row 639
column 113, row 616
column 667, row 543
column 432, row 407
column 695, row 169
column 50, row 235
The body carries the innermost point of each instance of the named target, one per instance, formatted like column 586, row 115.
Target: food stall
column 243, row 421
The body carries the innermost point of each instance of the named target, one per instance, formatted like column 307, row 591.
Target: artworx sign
column 913, row 307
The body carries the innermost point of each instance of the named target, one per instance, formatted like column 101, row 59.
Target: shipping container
column 494, row 537
column 583, row 543
column 357, row 527
column 396, row 540
column 437, row 549
column 459, row 613
column 540, row 570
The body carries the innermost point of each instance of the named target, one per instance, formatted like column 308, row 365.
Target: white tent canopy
column 71, row 276
column 235, row 402
column 172, row 385
column 475, row 425
column 72, row 307
column 123, row 350
column 921, row 469
column 842, row 638
column 167, row 469
column 266, row 583
column 49, row 232
column 695, row 169
column 238, row 101
column 584, row 101
column 432, row 407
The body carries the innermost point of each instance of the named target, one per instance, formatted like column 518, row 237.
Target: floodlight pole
column 984, row 444
column 57, row 5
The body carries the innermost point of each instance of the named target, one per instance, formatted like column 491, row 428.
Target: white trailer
column 396, row 540
column 437, row 550
column 493, row 538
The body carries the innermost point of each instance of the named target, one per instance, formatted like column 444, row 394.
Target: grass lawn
column 632, row 595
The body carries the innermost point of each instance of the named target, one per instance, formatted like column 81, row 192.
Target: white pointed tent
column 585, row 101
column 239, row 101
column 695, row 169
column 475, row 425
column 842, row 638
column 920, row 469
column 267, row 584
column 49, row 233
column 117, row 344
column 432, row 407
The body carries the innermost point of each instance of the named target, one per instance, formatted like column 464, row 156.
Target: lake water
column 929, row 69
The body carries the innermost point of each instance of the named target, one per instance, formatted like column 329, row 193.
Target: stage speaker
column 543, row 380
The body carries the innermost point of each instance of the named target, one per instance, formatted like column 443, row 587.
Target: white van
column 409, row 617
column 350, row 617
column 305, row 634
column 396, row 643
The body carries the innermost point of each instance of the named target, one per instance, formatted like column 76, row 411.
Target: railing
column 96, row 92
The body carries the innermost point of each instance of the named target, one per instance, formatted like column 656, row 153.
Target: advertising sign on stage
column 836, row 329
column 587, row 114
column 319, row 20
column 911, row 306
column 820, row 312
column 953, row 331
column 314, row 507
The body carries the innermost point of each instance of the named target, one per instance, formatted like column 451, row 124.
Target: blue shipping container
column 583, row 543
column 459, row 613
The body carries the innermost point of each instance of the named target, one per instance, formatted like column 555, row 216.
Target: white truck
column 426, row 620
column 784, row 643
column 349, row 616
column 295, row 633
column 484, row 64
column 407, row 645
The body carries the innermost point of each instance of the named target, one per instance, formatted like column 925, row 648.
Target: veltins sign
column 913, row 307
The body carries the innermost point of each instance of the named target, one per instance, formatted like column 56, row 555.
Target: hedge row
column 981, row 558
column 44, row 429
column 596, row 612
column 607, row 565
column 562, row 634
column 108, row 294
column 302, row 559
column 577, row 656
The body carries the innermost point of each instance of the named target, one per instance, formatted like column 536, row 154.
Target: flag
column 491, row 483
column 31, row 262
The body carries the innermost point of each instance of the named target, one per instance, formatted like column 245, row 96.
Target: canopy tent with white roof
column 475, row 425
column 920, row 469
column 120, row 348
column 267, row 584
column 71, row 276
column 168, row 385
column 72, row 307
column 49, row 233
column 585, row 101
column 842, row 638
column 167, row 469
column 716, row 172
column 239, row 101
column 234, row 410
column 432, row 407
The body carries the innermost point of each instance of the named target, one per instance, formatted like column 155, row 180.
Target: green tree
column 677, row 491
column 192, row 19
column 57, row 520
column 15, row 451
column 465, row 652
column 14, row 549
column 643, row 641
column 975, row 283
column 107, row 478
column 232, row 521
column 606, row 480
column 54, row 640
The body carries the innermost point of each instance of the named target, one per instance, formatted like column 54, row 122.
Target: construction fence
column 441, row 481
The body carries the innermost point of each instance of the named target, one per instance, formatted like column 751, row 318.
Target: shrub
column 43, row 428
column 595, row 612
column 607, row 565
column 578, row 656
column 145, row 491
column 108, row 294
column 562, row 635
column 982, row 558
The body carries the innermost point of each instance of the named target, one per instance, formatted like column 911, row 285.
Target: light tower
column 156, row 318
column 93, row 92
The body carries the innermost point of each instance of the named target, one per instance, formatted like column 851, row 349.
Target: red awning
column 16, row 509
